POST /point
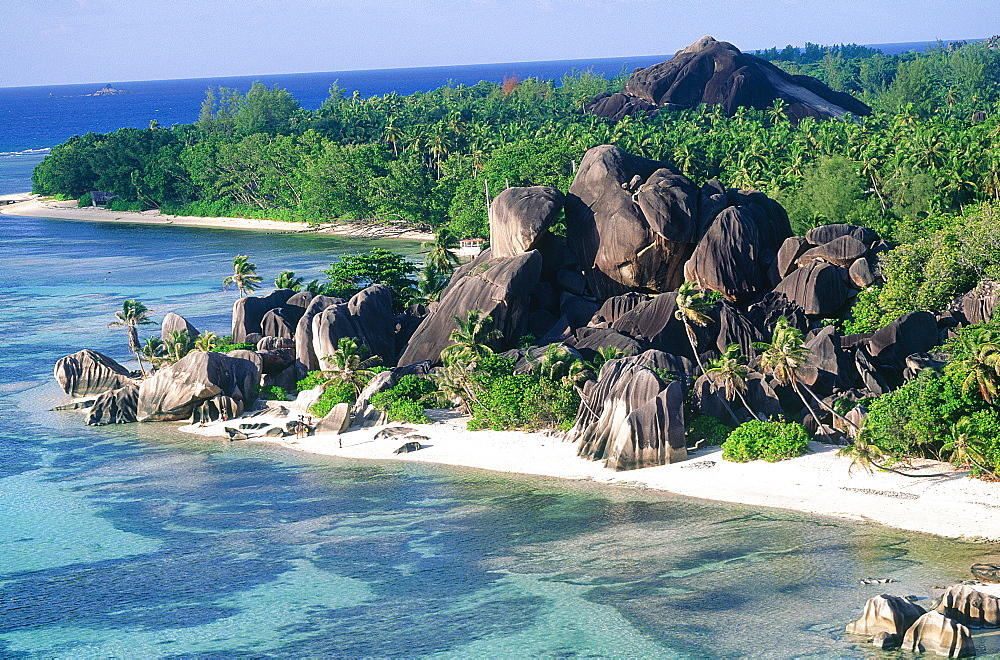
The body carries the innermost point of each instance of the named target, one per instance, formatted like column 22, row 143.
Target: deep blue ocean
column 140, row 542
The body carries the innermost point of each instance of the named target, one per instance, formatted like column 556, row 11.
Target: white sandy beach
column 819, row 482
column 39, row 207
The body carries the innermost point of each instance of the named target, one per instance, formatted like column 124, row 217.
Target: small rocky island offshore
column 108, row 90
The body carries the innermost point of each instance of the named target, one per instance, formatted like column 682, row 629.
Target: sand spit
column 39, row 207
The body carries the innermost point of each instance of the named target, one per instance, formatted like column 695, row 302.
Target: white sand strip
column 819, row 482
column 39, row 207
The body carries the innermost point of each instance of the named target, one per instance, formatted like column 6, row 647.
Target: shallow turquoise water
column 138, row 541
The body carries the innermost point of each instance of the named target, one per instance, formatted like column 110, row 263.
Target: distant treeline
column 435, row 158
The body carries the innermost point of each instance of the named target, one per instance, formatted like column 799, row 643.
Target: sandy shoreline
column 47, row 208
column 819, row 482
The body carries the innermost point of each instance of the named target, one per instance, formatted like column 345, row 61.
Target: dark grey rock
column 826, row 233
column 817, row 287
column 617, row 247
column 842, row 251
column 499, row 287
column 519, row 217
column 248, row 313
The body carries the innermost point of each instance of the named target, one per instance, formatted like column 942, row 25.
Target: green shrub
column 338, row 391
column 769, row 441
column 238, row 346
column 506, row 400
column 273, row 393
column 707, row 429
column 404, row 402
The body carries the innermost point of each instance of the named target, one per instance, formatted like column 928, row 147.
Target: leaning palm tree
column 346, row 364
column 691, row 308
column 441, row 255
column 286, row 280
column 470, row 338
column 783, row 358
column 730, row 370
column 133, row 314
column 244, row 275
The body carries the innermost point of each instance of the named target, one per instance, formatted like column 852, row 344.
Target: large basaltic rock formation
column 114, row 407
column 89, row 372
column 172, row 393
column 717, row 73
column 248, row 312
column 632, row 222
column 520, row 217
column 630, row 417
column 500, row 287
column 174, row 322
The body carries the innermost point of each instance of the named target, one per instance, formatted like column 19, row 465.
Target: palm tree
column 441, row 255
column 177, row 345
column 286, row 280
column 244, row 275
column 731, row 370
column 783, row 358
column 346, row 364
column 980, row 365
column 152, row 350
column 691, row 308
column 133, row 314
column 470, row 338
column 206, row 342
column 966, row 447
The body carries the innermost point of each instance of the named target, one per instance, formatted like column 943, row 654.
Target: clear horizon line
column 452, row 66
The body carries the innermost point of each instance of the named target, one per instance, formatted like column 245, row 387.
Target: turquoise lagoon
column 139, row 541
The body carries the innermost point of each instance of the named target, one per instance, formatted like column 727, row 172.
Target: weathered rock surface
column 885, row 613
column 305, row 353
column 618, row 106
column 631, row 418
column 173, row 392
column 114, row 407
column 818, row 288
column 989, row 573
column 248, row 312
column 916, row 332
column 788, row 254
column 861, row 274
column 374, row 322
column 717, row 73
column 89, row 372
column 970, row 607
column 617, row 245
column 499, row 287
column 739, row 246
column 279, row 322
column 219, row 407
column 174, row 322
column 842, row 251
column 936, row 633
column 338, row 420
column 826, row 233
column 520, row 216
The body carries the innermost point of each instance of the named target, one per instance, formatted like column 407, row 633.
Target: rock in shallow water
column 89, row 372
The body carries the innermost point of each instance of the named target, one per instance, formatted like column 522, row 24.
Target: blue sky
column 97, row 41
